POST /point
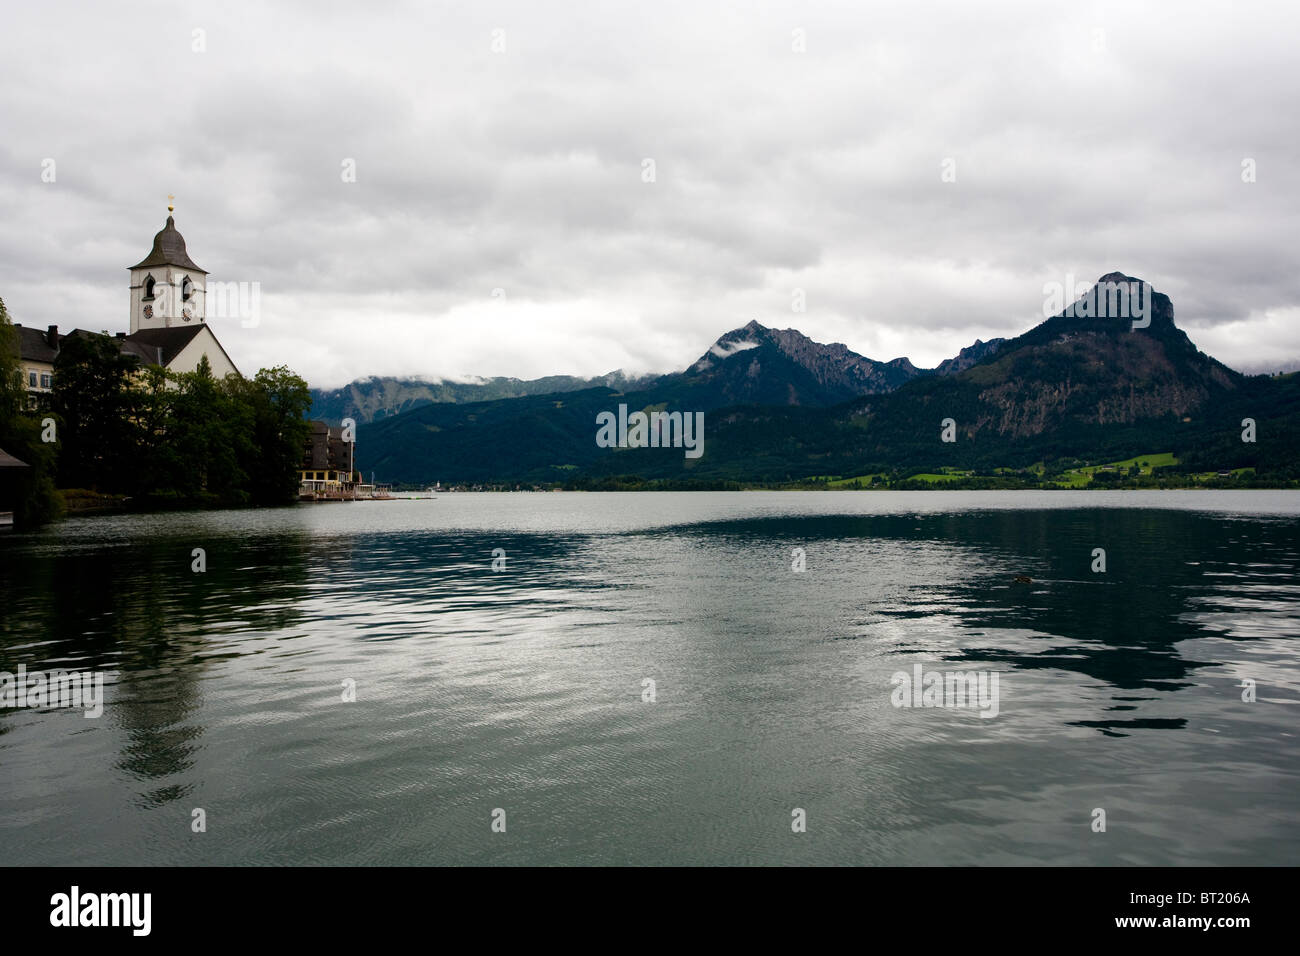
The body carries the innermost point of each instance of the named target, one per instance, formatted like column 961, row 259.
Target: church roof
column 160, row 346
column 168, row 250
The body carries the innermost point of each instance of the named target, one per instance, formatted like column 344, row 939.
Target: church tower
column 167, row 289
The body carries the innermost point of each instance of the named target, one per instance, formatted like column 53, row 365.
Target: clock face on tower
column 187, row 314
column 148, row 312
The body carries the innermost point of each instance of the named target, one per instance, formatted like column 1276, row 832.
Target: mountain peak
column 970, row 355
column 1117, row 277
column 756, row 364
column 1115, row 295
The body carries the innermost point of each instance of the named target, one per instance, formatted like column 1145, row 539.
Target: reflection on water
column 523, row 689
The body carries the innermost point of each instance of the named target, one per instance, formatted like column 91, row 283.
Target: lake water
column 524, row 689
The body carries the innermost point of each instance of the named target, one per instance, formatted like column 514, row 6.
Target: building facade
column 37, row 351
column 328, row 463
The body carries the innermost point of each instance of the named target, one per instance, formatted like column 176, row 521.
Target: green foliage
column 91, row 384
column 29, row 492
column 210, row 439
column 12, row 394
column 169, row 439
column 278, row 401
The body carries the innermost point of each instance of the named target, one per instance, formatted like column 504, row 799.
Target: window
column 47, row 380
column 31, row 379
column 148, row 287
column 187, row 289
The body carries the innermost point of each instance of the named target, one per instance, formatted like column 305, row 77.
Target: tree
column 92, row 379
column 30, row 491
column 278, row 400
column 12, row 394
column 210, row 439
column 151, row 407
column 150, row 433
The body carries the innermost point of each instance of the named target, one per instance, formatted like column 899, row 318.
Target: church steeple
column 167, row 286
column 169, row 249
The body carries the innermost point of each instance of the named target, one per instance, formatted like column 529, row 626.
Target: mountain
column 1091, row 387
column 780, row 407
column 548, row 437
column 370, row 399
column 1070, row 372
column 750, row 365
column 1069, row 384
column 756, row 365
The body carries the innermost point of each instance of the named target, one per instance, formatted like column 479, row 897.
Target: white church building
column 169, row 309
column 168, row 320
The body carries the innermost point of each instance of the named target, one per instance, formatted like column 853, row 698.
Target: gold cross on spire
column 170, row 206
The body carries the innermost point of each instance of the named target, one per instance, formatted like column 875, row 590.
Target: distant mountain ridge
column 750, row 365
column 371, row 399
column 1090, row 386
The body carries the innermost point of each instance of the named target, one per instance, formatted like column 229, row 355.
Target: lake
column 646, row 678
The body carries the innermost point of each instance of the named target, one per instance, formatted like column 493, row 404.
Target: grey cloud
column 775, row 170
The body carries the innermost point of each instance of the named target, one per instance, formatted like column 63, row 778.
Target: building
column 37, row 351
column 328, row 463
column 167, row 321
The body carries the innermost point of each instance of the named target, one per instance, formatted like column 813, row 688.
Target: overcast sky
column 500, row 222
